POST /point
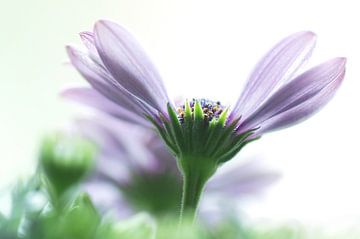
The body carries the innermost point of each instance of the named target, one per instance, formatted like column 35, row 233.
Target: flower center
column 211, row 109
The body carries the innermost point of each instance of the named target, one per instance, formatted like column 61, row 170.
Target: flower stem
column 193, row 186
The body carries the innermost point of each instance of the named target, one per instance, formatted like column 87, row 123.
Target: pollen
column 211, row 109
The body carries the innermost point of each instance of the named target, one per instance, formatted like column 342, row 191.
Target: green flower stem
column 195, row 176
column 192, row 190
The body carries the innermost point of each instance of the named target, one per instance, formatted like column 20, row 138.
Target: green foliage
column 76, row 218
column 63, row 212
column 19, row 207
column 79, row 220
column 50, row 205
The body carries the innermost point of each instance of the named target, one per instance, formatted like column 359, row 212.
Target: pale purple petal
column 101, row 131
column 244, row 179
column 276, row 67
column 300, row 98
column 301, row 112
column 112, row 158
column 129, row 65
column 158, row 152
column 123, row 144
column 108, row 199
column 103, row 82
column 89, row 41
column 92, row 98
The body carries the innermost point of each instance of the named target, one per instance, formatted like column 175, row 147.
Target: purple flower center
column 211, row 109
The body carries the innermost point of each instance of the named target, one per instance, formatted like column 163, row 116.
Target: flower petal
column 107, row 196
column 92, row 98
column 276, row 67
column 88, row 40
column 244, row 179
column 129, row 65
column 300, row 98
column 125, row 146
column 104, row 83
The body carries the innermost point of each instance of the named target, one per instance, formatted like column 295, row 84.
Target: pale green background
column 202, row 48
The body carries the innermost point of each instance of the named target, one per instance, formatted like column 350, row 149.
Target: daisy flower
column 202, row 134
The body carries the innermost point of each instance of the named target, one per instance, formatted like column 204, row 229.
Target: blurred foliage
column 49, row 205
column 32, row 216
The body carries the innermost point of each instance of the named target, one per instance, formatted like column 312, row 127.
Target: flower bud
column 65, row 160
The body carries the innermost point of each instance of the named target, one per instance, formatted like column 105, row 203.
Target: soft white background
column 203, row 48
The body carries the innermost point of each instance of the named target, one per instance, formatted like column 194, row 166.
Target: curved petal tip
column 306, row 34
column 86, row 36
column 100, row 24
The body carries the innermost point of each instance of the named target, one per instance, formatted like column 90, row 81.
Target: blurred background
column 202, row 48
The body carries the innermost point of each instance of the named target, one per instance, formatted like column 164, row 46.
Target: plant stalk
column 193, row 186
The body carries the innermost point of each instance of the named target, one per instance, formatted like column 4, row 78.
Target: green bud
column 65, row 160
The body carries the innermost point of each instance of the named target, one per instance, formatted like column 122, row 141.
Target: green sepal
column 198, row 113
column 188, row 125
column 198, row 130
column 229, row 155
column 175, row 127
column 234, row 142
column 164, row 135
column 224, row 137
column 222, row 118
column 216, row 132
column 170, row 132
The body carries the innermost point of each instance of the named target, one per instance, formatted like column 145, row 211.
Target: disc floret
column 211, row 109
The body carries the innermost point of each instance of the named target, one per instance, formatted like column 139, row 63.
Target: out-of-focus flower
column 66, row 159
column 202, row 134
column 135, row 172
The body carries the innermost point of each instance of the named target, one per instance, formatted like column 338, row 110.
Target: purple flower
column 202, row 134
column 126, row 85
column 135, row 172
